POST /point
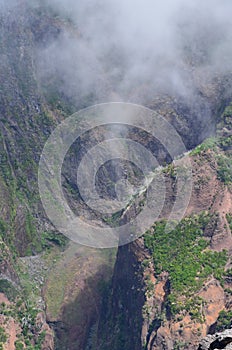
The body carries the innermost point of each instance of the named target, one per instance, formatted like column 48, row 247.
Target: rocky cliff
column 170, row 290
column 166, row 292
column 39, row 282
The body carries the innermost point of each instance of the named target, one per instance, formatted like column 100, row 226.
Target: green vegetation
column 184, row 255
column 48, row 239
column 3, row 337
column 114, row 219
column 228, row 111
column 3, row 227
column 45, row 240
column 179, row 345
column 225, row 143
column 227, row 116
column 149, row 286
column 221, row 146
column 145, row 263
column 225, row 169
column 31, row 234
column 8, row 289
column 19, row 345
column 224, row 320
column 25, row 314
column 209, row 143
column 214, row 144
column 170, row 170
column 229, row 220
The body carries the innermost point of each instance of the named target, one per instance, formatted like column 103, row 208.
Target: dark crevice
column 220, row 344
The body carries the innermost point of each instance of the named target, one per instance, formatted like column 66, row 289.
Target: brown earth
column 12, row 328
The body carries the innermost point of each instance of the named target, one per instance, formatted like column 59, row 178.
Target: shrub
column 3, row 335
column 224, row 320
column 224, row 169
column 183, row 254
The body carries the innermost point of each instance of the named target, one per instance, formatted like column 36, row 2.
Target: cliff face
column 49, row 287
column 164, row 296
column 25, row 123
column 122, row 305
column 51, row 293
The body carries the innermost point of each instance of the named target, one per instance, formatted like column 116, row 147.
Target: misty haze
column 115, row 174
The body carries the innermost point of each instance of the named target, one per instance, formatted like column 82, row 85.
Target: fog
column 127, row 50
column 132, row 50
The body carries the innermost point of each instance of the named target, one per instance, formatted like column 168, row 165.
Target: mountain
column 34, row 256
column 169, row 290
column 163, row 290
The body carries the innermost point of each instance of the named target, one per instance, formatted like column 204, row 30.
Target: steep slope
column 31, row 250
column 171, row 289
column 48, row 287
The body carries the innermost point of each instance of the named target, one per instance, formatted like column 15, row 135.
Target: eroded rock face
column 26, row 121
column 48, row 343
column 221, row 340
column 121, row 319
column 140, row 297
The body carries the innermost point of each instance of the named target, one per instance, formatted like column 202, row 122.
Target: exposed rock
column 158, row 328
column 221, row 340
column 10, row 325
column 48, row 343
column 131, row 316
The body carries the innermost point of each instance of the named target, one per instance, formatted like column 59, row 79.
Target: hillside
column 34, row 256
column 161, row 291
column 175, row 287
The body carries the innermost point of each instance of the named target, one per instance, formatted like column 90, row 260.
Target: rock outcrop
column 140, row 296
column 134, row 312
column 217, row 341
